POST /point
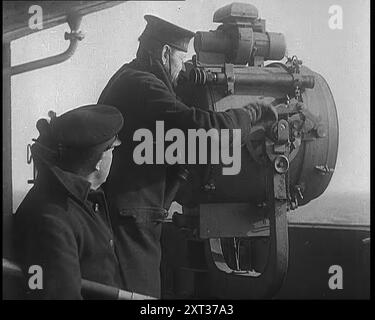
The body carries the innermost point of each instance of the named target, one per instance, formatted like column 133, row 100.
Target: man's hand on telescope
column 262, row 111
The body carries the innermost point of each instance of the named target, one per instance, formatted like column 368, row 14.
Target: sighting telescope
column 240, row 38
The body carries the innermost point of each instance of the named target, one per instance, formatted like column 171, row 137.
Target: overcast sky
column 341, row 56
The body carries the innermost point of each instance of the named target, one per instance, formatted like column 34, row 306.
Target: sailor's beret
column 86, row 127
column 166, row 33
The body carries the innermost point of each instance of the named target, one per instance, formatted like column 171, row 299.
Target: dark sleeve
column 50, row 243
column 164, row 106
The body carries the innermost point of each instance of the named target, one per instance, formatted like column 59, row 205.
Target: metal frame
column 7, row 149
column 228, row 283
column 255, row 285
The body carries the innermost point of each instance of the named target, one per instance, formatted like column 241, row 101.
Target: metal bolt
column 321, row 131
column 293, row 205
column 300, row 192
column 262, row 205
column 281, row 164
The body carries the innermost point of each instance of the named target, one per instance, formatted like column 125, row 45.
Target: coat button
column 111, row 243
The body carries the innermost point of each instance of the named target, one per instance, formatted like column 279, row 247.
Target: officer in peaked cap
column 62, row 225
column 165, row 32
column 143, row 90
column 167, row 43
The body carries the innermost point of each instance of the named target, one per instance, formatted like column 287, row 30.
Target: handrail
column 74, row 36
column 89, row 288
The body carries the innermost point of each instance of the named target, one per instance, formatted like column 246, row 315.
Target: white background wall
column 341, row 56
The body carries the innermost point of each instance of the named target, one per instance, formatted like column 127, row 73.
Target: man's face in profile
column 177, row 64
column 105, row 162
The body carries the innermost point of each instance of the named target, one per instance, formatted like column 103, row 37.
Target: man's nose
column 183, row 69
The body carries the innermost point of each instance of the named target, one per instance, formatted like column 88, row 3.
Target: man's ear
column 165, row 52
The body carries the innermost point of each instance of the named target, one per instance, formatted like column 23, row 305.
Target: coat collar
column 148, row 63
column 74, row 184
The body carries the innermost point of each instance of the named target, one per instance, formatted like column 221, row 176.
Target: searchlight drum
column 287, row 167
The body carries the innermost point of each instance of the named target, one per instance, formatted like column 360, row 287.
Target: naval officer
column 143, row 90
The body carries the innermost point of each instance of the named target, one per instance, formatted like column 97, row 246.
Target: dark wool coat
column 64, row 227
column 143, row 93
